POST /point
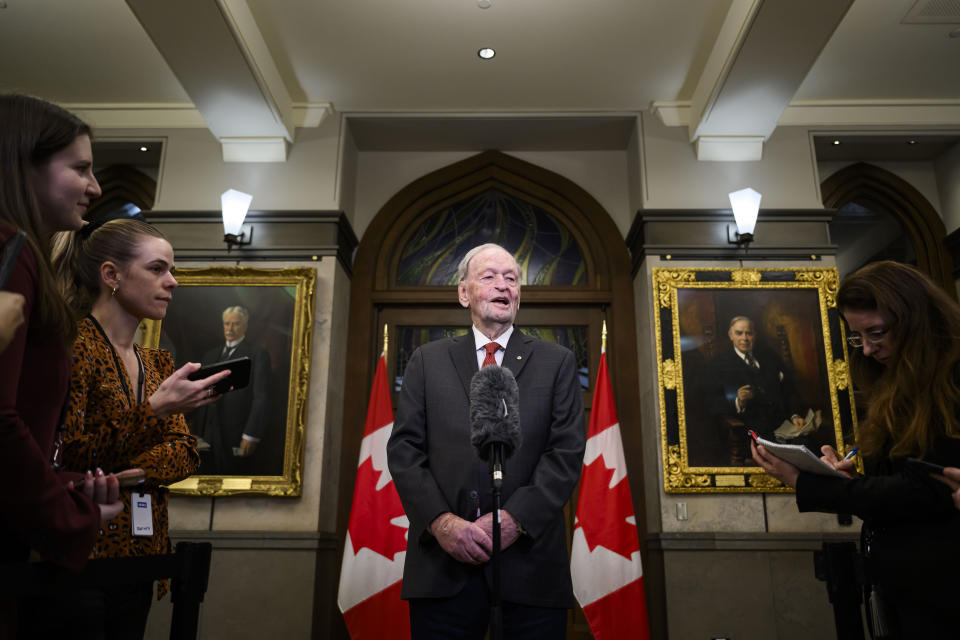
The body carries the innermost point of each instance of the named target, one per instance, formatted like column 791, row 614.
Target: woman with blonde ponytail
column 126, row 401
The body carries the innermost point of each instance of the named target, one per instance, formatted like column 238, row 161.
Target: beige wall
column 947, row 170
column 675, row 179
column 193, row 174
column 381, row 174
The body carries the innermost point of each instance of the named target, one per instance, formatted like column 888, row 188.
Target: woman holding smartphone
column 904, row 334
column 46, row 184
column 126, row 401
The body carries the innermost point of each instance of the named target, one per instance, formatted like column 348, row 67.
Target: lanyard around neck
column 120, row 369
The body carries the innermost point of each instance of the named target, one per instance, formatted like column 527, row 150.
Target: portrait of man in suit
column 236, row 424
column 445, row 488
column 751, row 359
column 752, row 389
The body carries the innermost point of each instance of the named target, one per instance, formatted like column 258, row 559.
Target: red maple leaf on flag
column 604, row 522
column 372, row 512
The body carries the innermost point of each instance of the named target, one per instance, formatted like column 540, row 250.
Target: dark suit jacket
column 435, row 468
column 774, row 401
column 244, row 411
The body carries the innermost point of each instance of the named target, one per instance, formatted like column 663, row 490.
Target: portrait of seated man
column 749, row 387
column 235, row 426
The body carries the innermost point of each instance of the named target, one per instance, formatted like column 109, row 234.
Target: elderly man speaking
column 445, row 488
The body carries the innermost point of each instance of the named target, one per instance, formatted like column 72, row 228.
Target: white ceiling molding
column 176, row 116
column 138, row 116
column 729, row 148
column 311, row 114
column 255, row 149
column 763, row 52
column 872, row 112
column 674, row 113
column 800, row 113
column 219, row 56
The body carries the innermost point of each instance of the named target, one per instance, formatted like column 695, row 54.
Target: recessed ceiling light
column 143, row 148
column 486, row 53
column 484, row 4
column 836, row 142
column 911, row 142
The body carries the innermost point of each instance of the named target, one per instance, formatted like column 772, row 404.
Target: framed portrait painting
column 250, row 440
column 742, row 350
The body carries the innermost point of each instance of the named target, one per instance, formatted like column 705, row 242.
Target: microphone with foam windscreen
column 495, row 417
column 495, row 434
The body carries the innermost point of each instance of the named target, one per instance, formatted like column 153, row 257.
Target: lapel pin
column 519, row 357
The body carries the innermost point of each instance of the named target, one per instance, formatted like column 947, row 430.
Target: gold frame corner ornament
column 304, row 281
column 679, row 476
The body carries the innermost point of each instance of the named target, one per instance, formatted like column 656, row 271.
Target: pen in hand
column 852, row 453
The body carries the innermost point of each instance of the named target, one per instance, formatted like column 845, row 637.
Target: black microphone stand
column 496, row 479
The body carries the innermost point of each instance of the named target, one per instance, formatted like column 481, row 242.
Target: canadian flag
column 605, row 559
column 376, row 545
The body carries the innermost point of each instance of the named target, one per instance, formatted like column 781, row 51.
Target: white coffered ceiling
column 836, row 63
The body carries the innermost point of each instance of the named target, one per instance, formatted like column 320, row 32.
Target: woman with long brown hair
column 46, row 185
column 126, row 402
column 905, row 337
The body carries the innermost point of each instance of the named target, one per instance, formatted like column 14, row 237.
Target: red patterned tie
column 491, row 348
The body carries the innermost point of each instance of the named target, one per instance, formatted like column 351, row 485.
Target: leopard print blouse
column 106, row 428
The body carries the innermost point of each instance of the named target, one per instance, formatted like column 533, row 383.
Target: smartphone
column 923, row 466
column 239, row 374
column 9, row 255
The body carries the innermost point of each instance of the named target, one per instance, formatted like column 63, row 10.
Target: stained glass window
column 547, row 252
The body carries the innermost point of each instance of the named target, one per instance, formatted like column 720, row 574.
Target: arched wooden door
column 557, row 230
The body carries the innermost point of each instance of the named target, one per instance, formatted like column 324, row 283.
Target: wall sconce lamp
column 746, row 205
column 234, row 205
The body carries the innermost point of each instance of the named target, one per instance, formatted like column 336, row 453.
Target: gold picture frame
column 791, row 319
column 279, row 336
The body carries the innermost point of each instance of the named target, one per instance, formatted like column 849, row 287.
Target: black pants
column 116, row 612
column 466, row 615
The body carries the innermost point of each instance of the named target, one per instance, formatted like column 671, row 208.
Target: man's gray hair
column 735, row 319
column 464, row 265
column 237, row 309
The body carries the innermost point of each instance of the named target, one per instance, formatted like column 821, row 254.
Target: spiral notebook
column 800, row 456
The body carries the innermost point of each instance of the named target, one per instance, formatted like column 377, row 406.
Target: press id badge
column 142, row 510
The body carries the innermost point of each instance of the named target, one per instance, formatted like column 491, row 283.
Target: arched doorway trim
column 122, row 184
column 872, row 186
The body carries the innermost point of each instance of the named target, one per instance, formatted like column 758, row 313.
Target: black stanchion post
column 188, row 588
column 496, row 606
column 836, row 565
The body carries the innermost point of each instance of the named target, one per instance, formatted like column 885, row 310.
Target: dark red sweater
column 36, row 509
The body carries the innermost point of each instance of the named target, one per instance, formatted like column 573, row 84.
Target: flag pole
column 386, row 341
column 603, row 338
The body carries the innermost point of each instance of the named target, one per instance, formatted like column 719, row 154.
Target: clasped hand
column 104, row 491
column 472, row 542
column 462, row 539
